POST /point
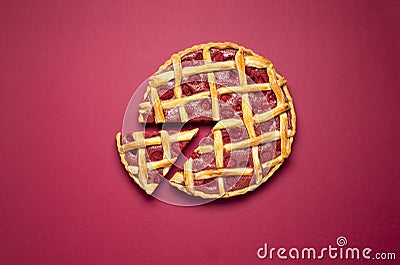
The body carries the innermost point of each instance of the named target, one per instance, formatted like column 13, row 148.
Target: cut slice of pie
column 148, row 156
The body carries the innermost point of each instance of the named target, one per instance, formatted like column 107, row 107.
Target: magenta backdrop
column 69, row 68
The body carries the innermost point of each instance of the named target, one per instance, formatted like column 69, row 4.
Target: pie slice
column 148, row 156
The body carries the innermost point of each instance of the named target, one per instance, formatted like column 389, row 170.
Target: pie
column 148, row 156
column 243, row 97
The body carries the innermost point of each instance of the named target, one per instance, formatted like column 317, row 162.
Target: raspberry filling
column 258, row 75
column 166, row 92
column 194, row 85
column 218, row 55
column 193, row 56
column 154, row 176
column 238, row 182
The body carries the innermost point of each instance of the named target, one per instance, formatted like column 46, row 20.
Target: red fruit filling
column 154, row 176
column 193, row 56
column 155, row 153
column 238, row 182
column 165, row 93
column 258, row 75
column 218, row 55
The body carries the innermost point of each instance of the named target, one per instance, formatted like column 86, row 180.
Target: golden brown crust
column 139, row 173
column 244, row 57
column 277, row 84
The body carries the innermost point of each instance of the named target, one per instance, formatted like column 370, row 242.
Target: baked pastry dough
column 247, row 101
column 148, row 156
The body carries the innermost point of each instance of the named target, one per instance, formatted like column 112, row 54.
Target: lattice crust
column 172, row 73
column 149, row 155
column 282, row 113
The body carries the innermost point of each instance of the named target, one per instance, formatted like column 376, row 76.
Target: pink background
column 69, row 68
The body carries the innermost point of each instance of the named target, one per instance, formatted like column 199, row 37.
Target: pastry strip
column 213, row 173
column 248, row 114
column 176, row 61
column 141, row 159
column 172, row 103
column 177, row 137
column 213, row 87
column 160, row 79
